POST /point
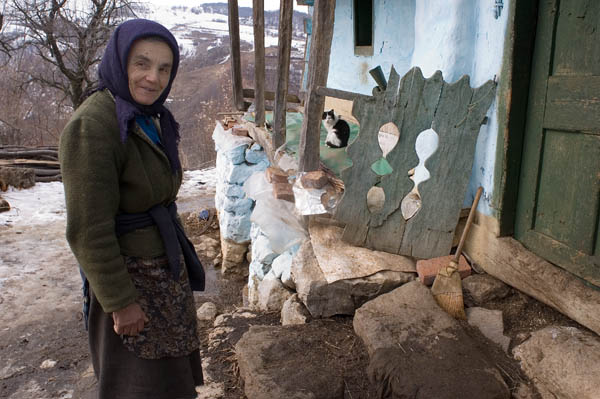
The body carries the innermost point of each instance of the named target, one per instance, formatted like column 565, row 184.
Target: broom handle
column 463, row 236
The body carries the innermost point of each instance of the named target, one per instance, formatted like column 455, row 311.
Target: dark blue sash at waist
column 173, row 237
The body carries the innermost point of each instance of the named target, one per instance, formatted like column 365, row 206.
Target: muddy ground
column 43, row 344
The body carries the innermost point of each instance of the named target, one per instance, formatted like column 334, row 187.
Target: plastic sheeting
column 335, row 159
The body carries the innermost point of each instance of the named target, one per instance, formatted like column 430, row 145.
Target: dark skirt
column 124, row 375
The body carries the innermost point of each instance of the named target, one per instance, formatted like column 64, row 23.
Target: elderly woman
column 121, row 174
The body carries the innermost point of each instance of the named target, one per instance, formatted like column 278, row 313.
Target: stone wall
column 249, row 213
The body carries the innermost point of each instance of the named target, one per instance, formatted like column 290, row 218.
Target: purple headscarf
column 113, row 75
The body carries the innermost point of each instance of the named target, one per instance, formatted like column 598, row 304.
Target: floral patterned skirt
column 169, row 304
column 163, row 361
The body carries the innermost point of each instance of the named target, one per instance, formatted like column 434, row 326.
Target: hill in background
column 32, row 115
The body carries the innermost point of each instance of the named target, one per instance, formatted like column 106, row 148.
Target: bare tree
column 67, row 35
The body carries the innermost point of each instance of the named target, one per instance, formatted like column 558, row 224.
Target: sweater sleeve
column 90, row 160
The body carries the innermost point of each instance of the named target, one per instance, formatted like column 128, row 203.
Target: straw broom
column 447, row 287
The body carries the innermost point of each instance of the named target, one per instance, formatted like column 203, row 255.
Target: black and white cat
column 338, row 130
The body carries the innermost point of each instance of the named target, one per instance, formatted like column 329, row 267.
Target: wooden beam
column 284, row 49
column 291, row 58
column 270, row 96
column 507, row 260
column 236, row 60
column 258, row 16
column 344, row 95
column 318, row 69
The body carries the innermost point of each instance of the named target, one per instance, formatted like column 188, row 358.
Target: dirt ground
column 43, row 344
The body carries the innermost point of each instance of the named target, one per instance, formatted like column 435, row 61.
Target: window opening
column 363, row 27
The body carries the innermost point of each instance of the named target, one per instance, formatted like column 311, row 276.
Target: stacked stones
column 238, row 157
column 270, row 281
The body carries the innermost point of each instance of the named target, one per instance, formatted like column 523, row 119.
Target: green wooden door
column 559, row 190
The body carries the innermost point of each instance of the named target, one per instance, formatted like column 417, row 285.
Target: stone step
column 286, row 362
column 418, row 351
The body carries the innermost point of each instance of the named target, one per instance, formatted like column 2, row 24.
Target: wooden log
column 341, row 94
column 236, row 60
column 27, row 153
column 46, row 172
column 284, row 49
column 270, row 96
column 258, row 16
column 318, row 69
column 29, row 163
column 47, row 179
column 506, row 259
column 20, row 147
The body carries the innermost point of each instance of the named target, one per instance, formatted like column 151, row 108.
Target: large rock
column 323, row 299
column 418, row 351
column 282, row 268
column 294, row 312
column 490, row 323
column 208, row 311
column 272, row 295
column 235, row 227
column 283, row 362
column 482, row 288
column 553, row 350
column 234, row 256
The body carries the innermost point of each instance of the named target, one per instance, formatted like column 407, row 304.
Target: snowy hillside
column 205, row 26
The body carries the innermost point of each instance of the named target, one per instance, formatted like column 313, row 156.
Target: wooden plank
column 341, row 94
column 318, row 70
column 236, row 60
column 430, row 232
column 418, row 103
column 258, row 16
column 360, row 178
column 28, row 153
column 414, row 104
column 388, row 226
column 568, row 212
column 579, row 19
column 573, row 103
column 270, row 96
column 507, row 260
column 284, row 49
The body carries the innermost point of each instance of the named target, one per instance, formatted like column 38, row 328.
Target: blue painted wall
column 455, row 36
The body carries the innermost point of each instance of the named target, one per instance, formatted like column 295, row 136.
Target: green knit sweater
column 103, row 177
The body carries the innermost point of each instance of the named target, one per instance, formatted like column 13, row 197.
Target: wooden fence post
column 236, row 62
column 258, row 17
column 284, row 48
column 318, row 70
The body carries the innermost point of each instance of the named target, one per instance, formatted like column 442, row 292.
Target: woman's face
column 148, row 70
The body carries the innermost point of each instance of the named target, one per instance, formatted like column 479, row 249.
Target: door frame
column 513, row 94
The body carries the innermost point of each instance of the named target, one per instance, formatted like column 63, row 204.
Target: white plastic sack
column 277, row 219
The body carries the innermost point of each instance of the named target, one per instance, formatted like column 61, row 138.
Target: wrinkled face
column 148, row 70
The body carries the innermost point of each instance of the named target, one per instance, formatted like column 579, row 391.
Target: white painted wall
column 457, row 37
column 393, row 43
